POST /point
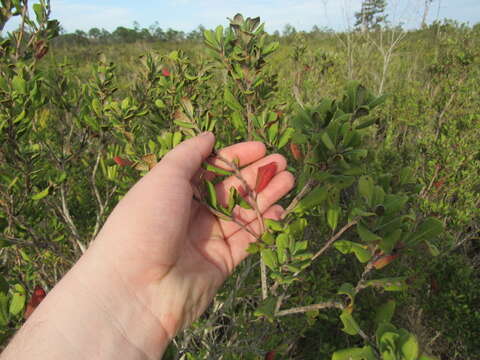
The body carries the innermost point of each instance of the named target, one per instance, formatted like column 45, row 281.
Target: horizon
column 188, row 15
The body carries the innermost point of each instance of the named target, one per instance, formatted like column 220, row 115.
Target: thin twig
column 69, row 220
column 254, row 204
column 425, row 191
column 334, row 238
column 323, row 249
column 304, row 309
column 22, row 29
column 308, row 186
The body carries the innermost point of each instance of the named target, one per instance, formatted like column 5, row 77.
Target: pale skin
column 155, row 265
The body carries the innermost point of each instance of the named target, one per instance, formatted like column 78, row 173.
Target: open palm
column 167, row 249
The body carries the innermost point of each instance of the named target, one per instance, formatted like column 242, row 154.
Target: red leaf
column 384, row 261
column 438, row 184
column 37, row 297
column 296, row 152
column 122, row 162
column 165, row 72
column 270, row 355
column 264, row 175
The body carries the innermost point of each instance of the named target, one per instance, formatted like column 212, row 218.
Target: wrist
column 90, row 314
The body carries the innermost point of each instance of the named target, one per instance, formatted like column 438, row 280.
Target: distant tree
column 371, row 15
column 196, row 34
column 157, row 32
column 105, row 35
column 124, row 34
column 94, row 33
column 174, row 35
column 289, row 30
column 81, row 33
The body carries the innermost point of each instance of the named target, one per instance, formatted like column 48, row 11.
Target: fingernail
column 206, row 133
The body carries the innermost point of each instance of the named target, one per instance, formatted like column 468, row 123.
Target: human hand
column 169, row 249
column 157, row 262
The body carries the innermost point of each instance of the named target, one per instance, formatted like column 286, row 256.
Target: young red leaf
column 296, row 152
column 264, row 175
column 270, row 355
column 37, row 297
column 122, row 162
column 165, row 72
column 384, row 261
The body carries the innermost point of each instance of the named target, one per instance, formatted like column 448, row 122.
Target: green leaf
column 283, row 241
column 366, row 235
column 160, row 104
column 394, row 203
column 366, row 123
column 366, row 188
column 238, row 122
column 253, row 248
column 97, row 106
column 268, row 238
column 187, row 106
column 349, row 290
column 273, row 224
column 273, row 133
column 427, row 230
column 408, row 346
column 210, row 39
column 38, row 9
column 432, row 248
column 270, row 258
column 219, row 34
column 427, row 357
column 377, row 101
column 333, row 214
column 327, row 142
column 384, row 328
column 270, row 48
column 232, row 196
column 314, row 198
column 350, row 326
column 387, row 244
column 216, row 170
column 365, row 353
column 385, row 312
column 177, row 138
column 211, row 194
column 267, row 308
column 17, row 303
column 285, row 138
column 4, row 287
column 4, row 314
column 41, row 194
column 231, row 101
column 362, row 252
column 244, row 203
column 184, row 124
column 19, row 85
column 388, row 284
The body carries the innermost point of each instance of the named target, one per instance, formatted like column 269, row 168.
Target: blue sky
column 188, row 14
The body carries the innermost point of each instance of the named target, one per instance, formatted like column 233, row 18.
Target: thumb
column 186, row 158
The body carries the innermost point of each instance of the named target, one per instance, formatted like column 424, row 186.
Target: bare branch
column 304, row 309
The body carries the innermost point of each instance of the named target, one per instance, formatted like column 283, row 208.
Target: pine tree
column 371, row 15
